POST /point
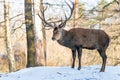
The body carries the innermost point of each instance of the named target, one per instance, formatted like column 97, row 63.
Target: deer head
column 57, row 32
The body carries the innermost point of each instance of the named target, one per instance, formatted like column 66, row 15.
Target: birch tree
column 10, row 53
column 30, row 34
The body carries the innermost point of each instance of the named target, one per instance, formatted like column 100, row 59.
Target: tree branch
column 20, row 27
column 12, row 17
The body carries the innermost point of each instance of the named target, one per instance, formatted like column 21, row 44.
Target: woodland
column 26, row 42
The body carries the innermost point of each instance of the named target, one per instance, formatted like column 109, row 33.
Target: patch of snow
column 64, row 73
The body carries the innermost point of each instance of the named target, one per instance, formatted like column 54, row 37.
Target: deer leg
column 79, row 49
column 104, row 58
column 73, row 57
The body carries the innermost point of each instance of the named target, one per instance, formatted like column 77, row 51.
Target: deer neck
column 64, row 40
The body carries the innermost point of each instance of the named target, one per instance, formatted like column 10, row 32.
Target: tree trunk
column 31, row 53
column 76, row 13
column 44, row 36
column 44, row 44
column 11, row 60
column 38, row 32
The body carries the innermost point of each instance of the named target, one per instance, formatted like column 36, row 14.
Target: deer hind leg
column 79, row 49
column 73, row 57
column 104, row 58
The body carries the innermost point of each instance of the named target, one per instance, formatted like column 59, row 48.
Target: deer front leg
column 73, row 58
column 79, row 49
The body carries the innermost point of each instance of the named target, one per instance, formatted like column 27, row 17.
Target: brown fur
column 78, row 38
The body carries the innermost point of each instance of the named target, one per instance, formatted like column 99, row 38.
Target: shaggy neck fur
column 65, row 38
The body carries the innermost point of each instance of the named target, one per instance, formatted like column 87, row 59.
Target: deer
column 78, row 38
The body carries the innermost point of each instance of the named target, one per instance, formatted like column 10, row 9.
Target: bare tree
column 76, row 13
column 44, row 36
column 39, row 32
column 10, row 53
column 30, row 34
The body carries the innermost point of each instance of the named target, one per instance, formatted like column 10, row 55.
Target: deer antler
column 42, row 17
column 71, row 12
column 63, row 23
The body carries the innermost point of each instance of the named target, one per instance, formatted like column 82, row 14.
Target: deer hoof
column 72, row 67
column 79, row 68
column 102, row 71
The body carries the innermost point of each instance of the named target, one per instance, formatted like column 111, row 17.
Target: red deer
column 78, row 38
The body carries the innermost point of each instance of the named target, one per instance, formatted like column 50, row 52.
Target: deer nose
column 53, row 38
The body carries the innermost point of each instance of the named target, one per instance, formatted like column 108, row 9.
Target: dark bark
column 30, row 34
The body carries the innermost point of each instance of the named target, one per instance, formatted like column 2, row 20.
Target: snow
column 64, row 73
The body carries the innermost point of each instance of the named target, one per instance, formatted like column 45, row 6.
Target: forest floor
column 64, row 73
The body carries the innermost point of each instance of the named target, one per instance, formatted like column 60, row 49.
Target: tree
column 30, row 34
column 44, row 36
column 40, row 36
column 10, row 53
column 76, row 13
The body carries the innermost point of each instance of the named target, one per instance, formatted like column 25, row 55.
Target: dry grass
column 58, row 55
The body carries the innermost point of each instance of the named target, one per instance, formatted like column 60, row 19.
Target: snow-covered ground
column 64, row 73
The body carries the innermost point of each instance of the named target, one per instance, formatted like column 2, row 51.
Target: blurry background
column 95, row 14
